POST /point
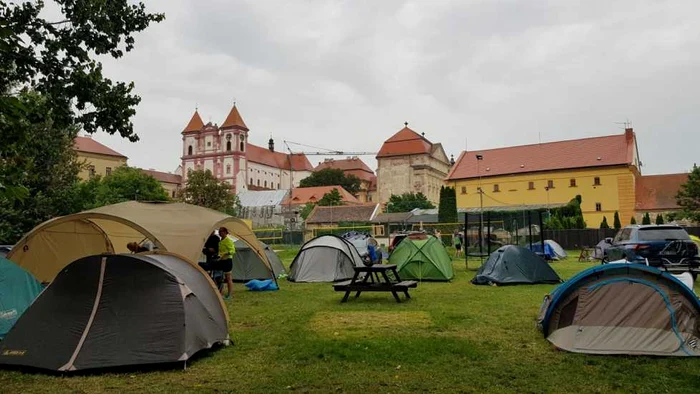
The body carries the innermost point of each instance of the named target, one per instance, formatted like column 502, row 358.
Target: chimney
column 271, row 144
column 629, row 134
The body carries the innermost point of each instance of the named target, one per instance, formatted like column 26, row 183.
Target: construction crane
column 324, row 151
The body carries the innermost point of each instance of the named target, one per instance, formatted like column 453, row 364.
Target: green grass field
column 451, row 337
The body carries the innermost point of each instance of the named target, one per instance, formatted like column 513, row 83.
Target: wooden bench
column 386, row 285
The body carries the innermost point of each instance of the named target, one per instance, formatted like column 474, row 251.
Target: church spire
column 195, row 123
column 234, row 120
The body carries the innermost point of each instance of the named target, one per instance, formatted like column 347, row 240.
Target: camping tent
column 422, row 259
column 600, row 248
column 552, row 250
column 174, row 227
column 118, row 310
column 247, row 265
column 327, row 258
column 510, row 265
column 622, row 309
column 18, row 289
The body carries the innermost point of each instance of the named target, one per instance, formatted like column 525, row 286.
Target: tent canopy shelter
column 18, row 289
column 327, row 258
column 119, row 310
column 622, row 309
column 173, row 227
column 510, row 265
column 247, row 265
column 422, row 259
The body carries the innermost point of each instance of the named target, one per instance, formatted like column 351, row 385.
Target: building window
column 228, row 146
column 572, row 182
column 598, row 207
column 258, row 182
column 495, row 188
column 251, row 181
column 464, row 190
column 108, row 171
column 550, row 184
column 278, row 185
column 596, row 181
column 208, row 143
column 531, row 186
column 242, row 144
column 91, row 171
column 173, row 193
column 228, row 168
column 265, row 184
column 189, row 150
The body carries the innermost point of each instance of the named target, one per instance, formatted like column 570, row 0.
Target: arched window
column 228, row 142
column 228, row 168
column 189, row 150
column 265, row 184
column 251, row 181
column 243, row 145
column 258, row 182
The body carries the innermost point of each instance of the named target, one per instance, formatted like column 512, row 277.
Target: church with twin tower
column 225, row 151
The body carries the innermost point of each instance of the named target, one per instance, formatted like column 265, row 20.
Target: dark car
column 653, row 245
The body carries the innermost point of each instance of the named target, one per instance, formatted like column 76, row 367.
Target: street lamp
column 481, row 208
column 549, row 214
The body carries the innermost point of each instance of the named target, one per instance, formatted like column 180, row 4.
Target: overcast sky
column 482, row 74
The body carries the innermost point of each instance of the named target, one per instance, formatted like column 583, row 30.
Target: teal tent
column 18, row 289
column 422, row 259
column 513, row 265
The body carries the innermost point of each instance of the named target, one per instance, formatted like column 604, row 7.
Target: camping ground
column 451, row 337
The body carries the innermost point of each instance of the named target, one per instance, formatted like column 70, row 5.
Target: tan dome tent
column 119, row 310
column 172, row 227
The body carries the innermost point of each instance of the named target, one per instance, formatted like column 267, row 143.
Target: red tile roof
column 234, row 120
column 353, row 166
column 658, row 192
column 88, row 145
column 343, row 213
column 264, row 156
column 195, row 123
column 164, row 177
column 405, row 142
column 372, row 184
column 587, row 152
column 304, row 195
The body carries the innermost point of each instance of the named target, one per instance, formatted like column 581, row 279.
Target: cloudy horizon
column 346, row 75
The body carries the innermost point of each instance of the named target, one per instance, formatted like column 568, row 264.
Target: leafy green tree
column 332, row 177
column 407, row 202
column 688, row 197
column 126, row 184
column 604, row 223
column 569, row 216
column 205, row 190
column 646, row 219
column 304, row 213
column 616, row 221
column 447, row 210
column 659, row 219
column 633, row 220
column 332, row 198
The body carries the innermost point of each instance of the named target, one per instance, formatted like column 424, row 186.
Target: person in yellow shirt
column 226, row 251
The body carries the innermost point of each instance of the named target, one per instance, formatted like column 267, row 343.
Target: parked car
column 654, row 245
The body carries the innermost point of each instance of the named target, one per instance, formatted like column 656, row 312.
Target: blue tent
column 552, row 250
column 18, row 289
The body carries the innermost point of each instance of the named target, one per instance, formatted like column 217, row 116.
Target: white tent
column 327, row 258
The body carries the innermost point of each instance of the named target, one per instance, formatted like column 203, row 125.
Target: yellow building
column 603, row 170
column 172, row 183
column 97, row 158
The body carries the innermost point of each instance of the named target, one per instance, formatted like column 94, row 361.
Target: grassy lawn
column 451, row 337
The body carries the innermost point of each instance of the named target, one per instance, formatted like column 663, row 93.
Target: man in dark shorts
column 226, row 251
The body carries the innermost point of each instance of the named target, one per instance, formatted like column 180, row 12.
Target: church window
column 228, row 146
column 242, row 144
column 208, row 143
column 258, row 182
column 251, row 181
column 266, row 184
column 189, row 150
column 228, row 168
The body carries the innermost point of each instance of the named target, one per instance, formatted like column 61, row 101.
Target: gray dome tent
column 327, row 258
column 119, row 310
column 248, row 265
column 511, row 265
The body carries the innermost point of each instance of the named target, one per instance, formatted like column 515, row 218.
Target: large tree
column 332, row 198
column 688, row 198
column 205, row 190
column 332, row 177
column 447, row 210
column 57, row 59
column 407, row 202
column 125, row 184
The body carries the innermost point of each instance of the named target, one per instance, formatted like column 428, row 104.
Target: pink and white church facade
column 225, row 151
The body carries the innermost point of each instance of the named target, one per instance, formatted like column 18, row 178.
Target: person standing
column 225, row 264
column 457, row 239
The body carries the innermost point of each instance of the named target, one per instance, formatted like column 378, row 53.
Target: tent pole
column 481, row 238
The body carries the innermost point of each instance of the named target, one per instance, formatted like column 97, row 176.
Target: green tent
column 422, row 259
column 18, row 289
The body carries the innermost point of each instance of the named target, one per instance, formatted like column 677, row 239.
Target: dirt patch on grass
column 353, row 324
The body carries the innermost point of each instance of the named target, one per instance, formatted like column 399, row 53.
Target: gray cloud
column 347, row 74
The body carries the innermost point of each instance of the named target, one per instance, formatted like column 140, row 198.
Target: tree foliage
column 408, row 202
column 57, row 60
column 447, row 210
column 124, row 184
column 332, row 198
column 569, row 216
column 646, row 219
column 604, row 223
column 688, row 197
column 205, row 190
column 332, row 177
column 659, row 219
column 306, row 211
column 633, row 220
column 616, row 221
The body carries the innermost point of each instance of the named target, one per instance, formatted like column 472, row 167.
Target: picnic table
column 376, row 278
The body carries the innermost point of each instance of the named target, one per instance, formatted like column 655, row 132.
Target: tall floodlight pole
column 479, row 158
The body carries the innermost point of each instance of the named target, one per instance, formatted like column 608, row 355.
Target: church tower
column 233, row 135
